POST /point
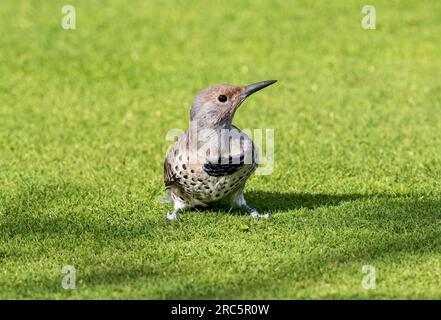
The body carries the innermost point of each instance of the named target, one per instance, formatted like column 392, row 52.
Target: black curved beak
column 251, row 88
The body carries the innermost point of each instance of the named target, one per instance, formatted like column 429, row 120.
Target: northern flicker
column 213, row 159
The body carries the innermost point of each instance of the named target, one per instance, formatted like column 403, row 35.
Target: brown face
column 225, row 96
column 216, row 105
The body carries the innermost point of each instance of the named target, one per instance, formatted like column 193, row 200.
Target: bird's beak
column 251, row 88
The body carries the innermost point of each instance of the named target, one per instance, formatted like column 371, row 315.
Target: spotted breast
column 198, row 179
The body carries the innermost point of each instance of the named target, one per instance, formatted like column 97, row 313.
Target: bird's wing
column 169, row 174
column 224, row 166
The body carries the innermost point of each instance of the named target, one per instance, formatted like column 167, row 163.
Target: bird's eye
column 222, row 98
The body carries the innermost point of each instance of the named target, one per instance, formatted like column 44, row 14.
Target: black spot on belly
column 184, row 166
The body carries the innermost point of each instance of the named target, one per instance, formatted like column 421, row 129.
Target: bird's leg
column 237, row 200
column 172, row 216
column 178, row 205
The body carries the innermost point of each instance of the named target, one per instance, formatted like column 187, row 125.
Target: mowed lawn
column 357, row 177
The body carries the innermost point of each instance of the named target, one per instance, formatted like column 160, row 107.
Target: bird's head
column 215, row 106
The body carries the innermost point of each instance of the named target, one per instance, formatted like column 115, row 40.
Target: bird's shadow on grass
column 280, row 201
column 265, row 201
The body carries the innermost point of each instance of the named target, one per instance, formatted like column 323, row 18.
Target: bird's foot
column 171, row 216
column 254, row 214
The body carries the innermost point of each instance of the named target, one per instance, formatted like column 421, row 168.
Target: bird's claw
column 256, row 215
column 267, row 216
column 171, row 216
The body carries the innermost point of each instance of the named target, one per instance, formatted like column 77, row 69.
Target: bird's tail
column 164, row 198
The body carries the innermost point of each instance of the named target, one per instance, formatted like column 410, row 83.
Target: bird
column 213, row 159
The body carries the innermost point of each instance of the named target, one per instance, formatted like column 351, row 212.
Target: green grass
column 357, row 179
